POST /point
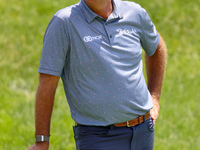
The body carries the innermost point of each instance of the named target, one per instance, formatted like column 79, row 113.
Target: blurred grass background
column 22, row 26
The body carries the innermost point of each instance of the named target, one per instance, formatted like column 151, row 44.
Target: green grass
column 22, row 26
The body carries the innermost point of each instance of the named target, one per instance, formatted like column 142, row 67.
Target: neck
column 102, row 8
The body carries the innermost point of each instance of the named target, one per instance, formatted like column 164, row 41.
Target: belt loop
column 140, row 119
column 144, row 119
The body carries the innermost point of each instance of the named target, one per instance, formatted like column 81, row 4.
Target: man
column 95, row 47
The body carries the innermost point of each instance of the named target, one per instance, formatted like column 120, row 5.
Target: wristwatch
column 42, row 138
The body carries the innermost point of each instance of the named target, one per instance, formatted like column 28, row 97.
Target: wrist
column 42, row 138
column 155, row 100
column 155, row 96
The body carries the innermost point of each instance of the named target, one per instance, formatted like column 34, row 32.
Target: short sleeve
column 55, row 48
column 150, row 36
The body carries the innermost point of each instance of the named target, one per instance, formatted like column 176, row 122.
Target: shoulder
column 67, row 12
column 132, row 10
column 131, row 6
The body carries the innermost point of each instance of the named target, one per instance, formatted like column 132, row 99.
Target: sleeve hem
column 49, row 72
column 155, row 48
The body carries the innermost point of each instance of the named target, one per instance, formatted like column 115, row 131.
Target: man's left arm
column 155, row 68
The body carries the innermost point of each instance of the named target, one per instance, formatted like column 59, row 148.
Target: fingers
column 154, row 115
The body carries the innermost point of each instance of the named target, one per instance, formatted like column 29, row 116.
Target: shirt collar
column 117, row 13
column 90, row 15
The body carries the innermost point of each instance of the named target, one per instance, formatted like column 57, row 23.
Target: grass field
column 22, row 26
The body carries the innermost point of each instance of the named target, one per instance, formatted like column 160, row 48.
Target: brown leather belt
column 134, row 122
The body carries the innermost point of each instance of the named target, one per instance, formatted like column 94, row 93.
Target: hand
column 39, row 146
column 155, row 110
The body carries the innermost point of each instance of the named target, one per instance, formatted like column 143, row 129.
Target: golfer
column 95, row 46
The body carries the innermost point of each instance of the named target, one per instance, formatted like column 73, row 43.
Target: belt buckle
column 128, row 125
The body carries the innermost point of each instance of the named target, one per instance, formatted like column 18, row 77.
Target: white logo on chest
column 125, row 31
column 92, row 38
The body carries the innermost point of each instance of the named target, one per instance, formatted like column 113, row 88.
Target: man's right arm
column 43, row 108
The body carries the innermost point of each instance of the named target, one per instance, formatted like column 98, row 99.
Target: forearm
column 155, row 68
column 44, row 104
column 43, row 111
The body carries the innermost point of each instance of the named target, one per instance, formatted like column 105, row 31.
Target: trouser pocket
column 150, row 124
column 87, row 136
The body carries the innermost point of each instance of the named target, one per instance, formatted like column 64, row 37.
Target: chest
column 101, row 42
column 121, row 33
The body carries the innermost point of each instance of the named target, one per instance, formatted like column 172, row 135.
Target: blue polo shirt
column 100, row 61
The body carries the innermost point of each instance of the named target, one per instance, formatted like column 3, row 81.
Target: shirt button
column 110, row 36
